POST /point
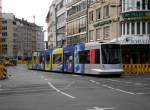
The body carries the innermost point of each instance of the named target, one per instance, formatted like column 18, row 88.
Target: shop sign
column 138, row 18
column 135, row 40
column 135, row 14
column 102, row 22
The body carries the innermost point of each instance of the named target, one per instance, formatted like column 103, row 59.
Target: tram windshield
column 111, row 54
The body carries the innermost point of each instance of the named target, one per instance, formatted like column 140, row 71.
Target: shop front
column 135, row 54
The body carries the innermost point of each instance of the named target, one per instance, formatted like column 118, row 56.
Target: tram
column 83, row 58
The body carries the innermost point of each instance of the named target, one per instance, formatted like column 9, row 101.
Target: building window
column 143, row 28
column 148, row 4
column 128, row 28
column 91, row 16
column 98, row 33
column 138, row 5
column 106, row 11
column 143, row 4
column 133, row 28
column 4, row 33
column 91, row 35
column 148, row 27
column 106, row 32
column 124, row 28
column 138, row 27
column 98, row 14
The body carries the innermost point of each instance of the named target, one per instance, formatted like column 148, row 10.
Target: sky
column 27, row 9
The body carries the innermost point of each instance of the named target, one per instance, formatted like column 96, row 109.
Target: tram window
column 34, row 58
column 47, row 58
column 97, row 56
column 40, row 59
column 84, row 57
column 57, row 58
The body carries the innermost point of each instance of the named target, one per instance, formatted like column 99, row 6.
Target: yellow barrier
column 3, row 72
column 22, row 62
column 136, row 69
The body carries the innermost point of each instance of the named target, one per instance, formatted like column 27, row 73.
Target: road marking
column 140, row 93
column 129, row 82
column 42, row 76
column 114, row 80
column 97, row 108
column 94, row 82
column 68, row 85
column 75, row 75
column 132, row 93
column 1, row 87
column 46, row 79
column 138, row 84
column 52, row 86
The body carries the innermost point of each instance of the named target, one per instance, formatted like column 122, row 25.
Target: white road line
column 42, row 76
column 114, row 80
column 140, row 93
column 138, row 84
column 46, row 79
column 1, row 87
column 132, row 93
column 97, row 108
column 75, row 75
column 68, row 85
column 94, row 81
column 52, row 86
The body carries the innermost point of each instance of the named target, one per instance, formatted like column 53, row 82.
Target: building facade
column 30, row 37
column 51, row 25
column 60, row 22
column 19, row 37
column 135, row 31
column 8, row 35
column 103, row 20
column 135, row 18
column 1, row 27
column 76, row 23
column 40, row 44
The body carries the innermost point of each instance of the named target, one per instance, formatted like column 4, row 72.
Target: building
column 60, row 22
column 30, row 37
column 0, row 27
column 135, row 31
column 8, row 35
column 40, row 44
column 103, row 20
column 51, row 25
column 76, row 22
column 19, row 37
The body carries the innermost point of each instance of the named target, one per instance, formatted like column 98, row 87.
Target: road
column 36, row 90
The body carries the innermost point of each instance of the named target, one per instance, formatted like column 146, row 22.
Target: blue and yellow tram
column 84, row 58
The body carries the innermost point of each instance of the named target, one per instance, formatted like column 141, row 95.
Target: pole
column 0, row 27
column 87, row 26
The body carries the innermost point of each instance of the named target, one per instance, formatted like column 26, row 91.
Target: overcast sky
column 27, row 9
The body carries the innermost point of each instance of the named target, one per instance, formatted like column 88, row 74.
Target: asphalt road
column 36, row 90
